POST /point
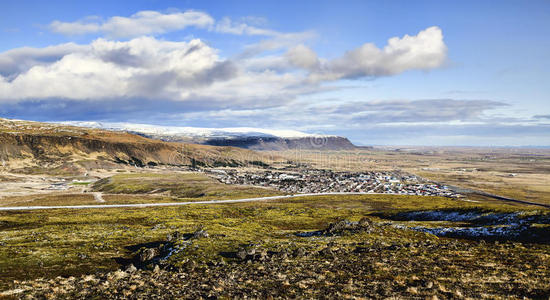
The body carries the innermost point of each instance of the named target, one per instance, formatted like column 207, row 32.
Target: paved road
column 172, row 203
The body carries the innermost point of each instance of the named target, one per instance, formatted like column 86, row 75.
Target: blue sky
column 386, row 72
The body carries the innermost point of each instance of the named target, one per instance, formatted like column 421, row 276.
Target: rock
column 87, row 278
column 117, row 275
column 365, row 222
column 201, row 233
column 394, row 247
column 263, row 254
column 326, row 252
column 174, row 236
column 148, row 254
column 241, row 253
column 131, row 269
column 337, row 227
column 299, row 252
column 251, row 251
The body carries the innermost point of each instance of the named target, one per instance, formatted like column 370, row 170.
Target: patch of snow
column 483, row 225
column 460, row 216
column 194, row 131
column 513, row 231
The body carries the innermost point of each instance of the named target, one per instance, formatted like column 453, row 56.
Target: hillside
column 35, row 147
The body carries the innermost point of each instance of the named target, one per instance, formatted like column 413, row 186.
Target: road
column 141, row 205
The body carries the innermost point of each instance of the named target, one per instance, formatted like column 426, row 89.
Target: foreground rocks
column 335, row 264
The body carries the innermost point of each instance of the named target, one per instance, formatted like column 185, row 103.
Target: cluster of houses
column 326, row 181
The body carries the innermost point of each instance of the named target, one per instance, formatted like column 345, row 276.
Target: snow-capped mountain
column 244, row 137
column 195, row 131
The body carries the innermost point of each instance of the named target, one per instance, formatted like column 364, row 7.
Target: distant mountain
column 242, row 137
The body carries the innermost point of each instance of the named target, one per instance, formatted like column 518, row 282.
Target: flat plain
column 519, row 173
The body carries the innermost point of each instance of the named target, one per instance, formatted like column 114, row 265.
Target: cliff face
column 47, row 147
column 40, row 145
column 277, row 144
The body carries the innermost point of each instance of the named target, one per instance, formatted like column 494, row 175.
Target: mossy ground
column 74, row 242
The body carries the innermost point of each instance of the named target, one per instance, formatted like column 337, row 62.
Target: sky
column 451, row 73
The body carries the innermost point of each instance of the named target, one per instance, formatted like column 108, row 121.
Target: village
column 327, row 181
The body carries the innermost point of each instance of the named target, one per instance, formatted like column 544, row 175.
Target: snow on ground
column 482, row 225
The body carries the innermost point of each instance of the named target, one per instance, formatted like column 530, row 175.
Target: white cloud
column 267, row 74
column 141, row 23
column 74, row 28
column 303, row 57
column 226, row 25
column 108, row 69
column 19, row 60
column 153, row 22
column 424, row 51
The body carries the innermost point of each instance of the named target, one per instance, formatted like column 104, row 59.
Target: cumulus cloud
column 303, row 57
column 13, row 62
column 423, row 51
column 263, row 75
column 141, row 23
column 108, row 69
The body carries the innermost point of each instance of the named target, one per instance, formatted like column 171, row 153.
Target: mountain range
column 242, row 137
